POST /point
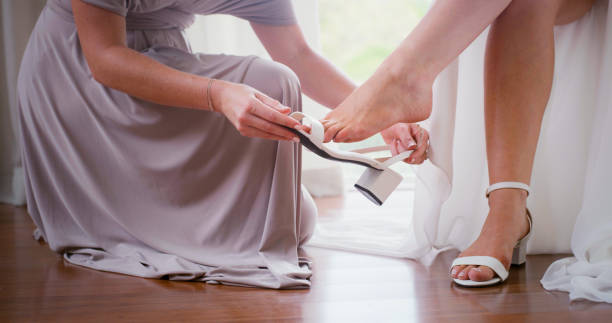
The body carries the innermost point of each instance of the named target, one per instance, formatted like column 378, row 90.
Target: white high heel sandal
column 519, row 253
column 377, row 182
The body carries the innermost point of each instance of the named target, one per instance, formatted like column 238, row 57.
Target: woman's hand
column 253, row 113
column 407, row 136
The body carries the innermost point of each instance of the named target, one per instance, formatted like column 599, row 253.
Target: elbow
column 303, row 49
column 101, row 66
column 297, row 54
column 96, row 74
column 100, row 73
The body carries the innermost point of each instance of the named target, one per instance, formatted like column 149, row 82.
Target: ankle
column 415, row 86
column 406, row 73
column 507, row 198
column 507, row 211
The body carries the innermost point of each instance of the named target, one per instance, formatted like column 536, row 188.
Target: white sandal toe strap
column 317, row 131
column 386, row 161
column 317, row 134
column 500, row 185
column 490, row 262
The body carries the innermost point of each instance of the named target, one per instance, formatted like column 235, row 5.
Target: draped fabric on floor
column 572, row 167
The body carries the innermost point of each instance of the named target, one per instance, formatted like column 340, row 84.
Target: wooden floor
column 37, row 285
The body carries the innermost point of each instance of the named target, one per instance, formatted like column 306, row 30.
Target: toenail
column 454, row 272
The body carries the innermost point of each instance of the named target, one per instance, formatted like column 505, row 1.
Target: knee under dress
column 123, row 185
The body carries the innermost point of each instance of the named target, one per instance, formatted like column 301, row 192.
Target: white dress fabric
column 571, row 174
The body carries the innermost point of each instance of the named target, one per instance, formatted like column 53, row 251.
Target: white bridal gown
column 572, row 177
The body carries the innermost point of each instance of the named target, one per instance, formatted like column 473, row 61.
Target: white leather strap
column 371, row 149
column 317, row 131
column 386, row 161
column 317, row 134
column 500, row 185
column 399, row 157
column 490, row 262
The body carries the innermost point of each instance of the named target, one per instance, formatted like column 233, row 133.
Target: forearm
column 102, row 35
column 321, row 80
column 140, row 76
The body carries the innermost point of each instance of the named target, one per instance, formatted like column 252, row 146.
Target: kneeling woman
column 146, row 159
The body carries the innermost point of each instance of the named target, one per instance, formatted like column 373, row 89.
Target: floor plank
column 37, row 285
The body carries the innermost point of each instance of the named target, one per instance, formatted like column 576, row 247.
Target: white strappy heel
column 378, row 180
column 519, row 253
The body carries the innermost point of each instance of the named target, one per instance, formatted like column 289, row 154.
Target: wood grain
column 37, row 285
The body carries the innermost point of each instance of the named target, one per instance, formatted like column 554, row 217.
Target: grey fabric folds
column 123, row 185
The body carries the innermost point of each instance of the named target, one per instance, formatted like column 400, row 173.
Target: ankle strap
column 500, row 185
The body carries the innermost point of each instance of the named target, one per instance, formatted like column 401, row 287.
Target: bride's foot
column 385, row 99
column 505, row 225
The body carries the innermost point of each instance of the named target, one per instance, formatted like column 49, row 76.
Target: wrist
column 214, row 91
column 209, row 104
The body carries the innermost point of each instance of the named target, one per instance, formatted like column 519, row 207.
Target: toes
column 463, row 275
column 481, row 273
column 456, row 270
column 471, row 272
column 351, row 134
column 331, row 133
column 343, row 136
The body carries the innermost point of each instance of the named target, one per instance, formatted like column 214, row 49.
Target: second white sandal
column 519, row 253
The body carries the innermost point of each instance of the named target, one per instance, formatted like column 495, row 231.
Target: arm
column 320, row 80
column 102, row 36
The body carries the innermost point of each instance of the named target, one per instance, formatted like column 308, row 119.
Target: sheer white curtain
column 571, row 174
column 17, row 19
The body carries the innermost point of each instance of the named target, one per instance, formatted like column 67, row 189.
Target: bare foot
column 382, row 101
column 505, row 225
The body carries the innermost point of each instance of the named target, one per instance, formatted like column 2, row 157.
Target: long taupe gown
column 123, row 185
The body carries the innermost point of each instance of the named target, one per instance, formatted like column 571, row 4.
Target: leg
column 519, row 67
column 400, row 89
column 308, row 217
column 281, row 83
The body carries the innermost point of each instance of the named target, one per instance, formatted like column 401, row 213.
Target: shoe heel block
column 519, row 254
column 377, row 185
